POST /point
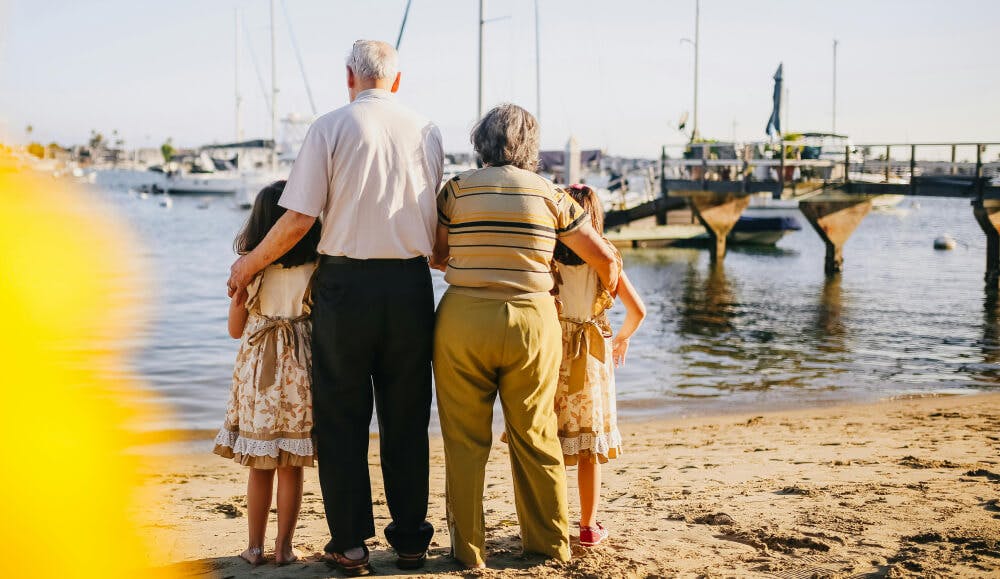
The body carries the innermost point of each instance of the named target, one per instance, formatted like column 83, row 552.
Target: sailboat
column 244, row 167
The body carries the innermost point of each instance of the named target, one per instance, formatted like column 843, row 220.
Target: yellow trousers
column 484, row 347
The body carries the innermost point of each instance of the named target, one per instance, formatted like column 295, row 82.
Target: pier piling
column 835, row 217
column 718, row 213
column 987, row 212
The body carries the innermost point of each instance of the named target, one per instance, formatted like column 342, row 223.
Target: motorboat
column 200, row 174
column 762, row 230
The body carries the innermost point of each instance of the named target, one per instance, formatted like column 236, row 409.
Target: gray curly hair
column 507, row 135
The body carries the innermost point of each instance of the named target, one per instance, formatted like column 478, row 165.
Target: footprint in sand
column 991, row 476
column 797, row 490
column 231, row 510
column 914, row 462
column 715, row 519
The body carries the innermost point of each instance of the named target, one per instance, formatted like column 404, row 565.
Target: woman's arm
column 592, row 249
column 238, row 313
column 439, row 259
column 635, row 312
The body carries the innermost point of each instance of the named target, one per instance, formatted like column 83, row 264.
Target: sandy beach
column 899, row 488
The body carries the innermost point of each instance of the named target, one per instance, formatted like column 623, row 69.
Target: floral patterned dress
column 585, row 396
column 269, row 417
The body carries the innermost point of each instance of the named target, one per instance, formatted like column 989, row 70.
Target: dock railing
column 961, row 169
column 835, row 189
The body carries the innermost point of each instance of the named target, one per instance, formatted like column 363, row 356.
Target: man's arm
column 283, row 236
column 588, row 244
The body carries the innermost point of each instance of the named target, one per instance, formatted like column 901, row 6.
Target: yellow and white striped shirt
column 503, row 223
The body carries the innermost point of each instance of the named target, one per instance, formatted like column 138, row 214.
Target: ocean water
column 766, row 328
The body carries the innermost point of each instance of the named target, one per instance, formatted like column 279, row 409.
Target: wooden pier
column 835, row 194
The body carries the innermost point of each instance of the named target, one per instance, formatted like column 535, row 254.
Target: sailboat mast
column 538, row 68
column 697, row 30
column 236, row 78
column 402, row 26
column 274, row 94
column 834, row 124
column 482, row 22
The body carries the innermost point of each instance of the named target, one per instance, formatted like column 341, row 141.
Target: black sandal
column 350, row 567
column 410, row 562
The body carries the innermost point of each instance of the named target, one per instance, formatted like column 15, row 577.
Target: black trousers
column 373, row 333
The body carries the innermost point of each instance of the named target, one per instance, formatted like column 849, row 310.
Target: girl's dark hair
column 591, row 203
column 265, row 213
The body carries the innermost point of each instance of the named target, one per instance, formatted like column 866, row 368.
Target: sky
column 615, row 74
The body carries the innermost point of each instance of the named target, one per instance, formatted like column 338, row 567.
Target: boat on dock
column 634, row 237
column 749, row 230
column 762, row 230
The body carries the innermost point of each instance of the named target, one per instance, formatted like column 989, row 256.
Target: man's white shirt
column 370, row 171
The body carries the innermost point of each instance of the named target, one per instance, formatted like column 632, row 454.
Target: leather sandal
column 350, row 567
column 409, row 562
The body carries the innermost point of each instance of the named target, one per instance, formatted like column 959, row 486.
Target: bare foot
column 286, row 556
column 253, row 555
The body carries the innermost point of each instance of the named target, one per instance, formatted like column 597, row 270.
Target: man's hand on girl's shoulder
column 240, row 299
column 239, row 276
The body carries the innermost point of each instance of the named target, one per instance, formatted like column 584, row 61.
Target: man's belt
column 344, row 260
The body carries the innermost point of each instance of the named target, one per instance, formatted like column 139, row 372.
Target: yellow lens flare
column 72, row 486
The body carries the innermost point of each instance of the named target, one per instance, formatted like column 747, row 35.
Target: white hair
column 373, row 60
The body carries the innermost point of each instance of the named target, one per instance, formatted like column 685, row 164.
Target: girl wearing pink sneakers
column 585, row 397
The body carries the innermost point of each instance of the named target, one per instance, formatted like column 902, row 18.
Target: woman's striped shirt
column 503, row 223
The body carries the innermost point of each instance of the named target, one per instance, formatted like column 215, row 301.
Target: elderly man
column 370, row 171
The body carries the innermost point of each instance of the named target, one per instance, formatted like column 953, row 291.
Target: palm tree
column 96, row 140
column 167, row 150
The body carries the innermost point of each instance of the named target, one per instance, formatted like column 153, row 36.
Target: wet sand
column 902, row 488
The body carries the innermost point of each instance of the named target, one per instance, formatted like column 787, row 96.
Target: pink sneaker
column 591, row 536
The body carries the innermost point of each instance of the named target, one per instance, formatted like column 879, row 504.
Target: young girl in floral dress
column 585, row 397
column 269, row 421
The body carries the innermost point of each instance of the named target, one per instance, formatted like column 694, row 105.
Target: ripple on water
column 764, row 328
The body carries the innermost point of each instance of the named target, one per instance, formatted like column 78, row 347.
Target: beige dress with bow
column 269, row 417
column 585, row 397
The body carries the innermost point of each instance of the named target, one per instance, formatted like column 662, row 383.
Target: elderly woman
column 498, row 331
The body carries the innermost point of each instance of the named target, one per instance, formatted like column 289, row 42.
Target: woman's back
column 503, row 223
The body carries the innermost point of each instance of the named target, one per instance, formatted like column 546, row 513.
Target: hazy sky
column 614, row 73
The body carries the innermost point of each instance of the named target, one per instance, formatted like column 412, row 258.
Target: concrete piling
column 718, row 213
column 835, row 217
column 987, row 213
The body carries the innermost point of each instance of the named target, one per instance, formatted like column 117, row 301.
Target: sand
column 898, row 488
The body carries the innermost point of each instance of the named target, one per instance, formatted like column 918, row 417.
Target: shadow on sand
column 383, row 564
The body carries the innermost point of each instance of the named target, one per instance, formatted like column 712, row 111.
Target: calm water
column 764, row 329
